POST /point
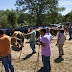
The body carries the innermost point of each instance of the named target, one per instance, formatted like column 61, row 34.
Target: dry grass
column 27, row 61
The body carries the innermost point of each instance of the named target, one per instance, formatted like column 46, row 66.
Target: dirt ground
column 27, row 61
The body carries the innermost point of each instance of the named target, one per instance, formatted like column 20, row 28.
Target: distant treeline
column 14, row 18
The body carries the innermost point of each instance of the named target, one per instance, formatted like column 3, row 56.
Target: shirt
column 61, row 37
column 46, row 51
column 4, row 45
column 50, row 36
column 33, row 36
column 70, row 29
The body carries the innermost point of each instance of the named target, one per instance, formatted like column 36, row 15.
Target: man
column 32, row 39
column 70, row 32
column 45, row 50
column 5, row 53
column 60, row 42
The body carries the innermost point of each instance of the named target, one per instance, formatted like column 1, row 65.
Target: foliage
column 68, row 17
column 12, row 18
column 36, row 15
column 3, row 19
column 37, row 7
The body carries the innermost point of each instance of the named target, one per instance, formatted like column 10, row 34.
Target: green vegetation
column 34, row 13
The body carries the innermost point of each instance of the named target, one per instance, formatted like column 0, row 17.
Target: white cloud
column 67, row 4
column 65, row 11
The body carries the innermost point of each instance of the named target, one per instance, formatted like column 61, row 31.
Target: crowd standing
column 45, row 42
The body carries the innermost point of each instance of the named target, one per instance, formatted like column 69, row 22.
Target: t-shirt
column 33, row 36
column 46, row 51
column 61, row 37
column 70, row 29
column 4, row 45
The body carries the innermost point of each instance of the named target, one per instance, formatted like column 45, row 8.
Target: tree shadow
column 58, row 60
column 28, row 56
column 41, row 70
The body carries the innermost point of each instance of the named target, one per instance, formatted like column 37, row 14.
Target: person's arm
column 28, row 33
column 58, row 39
column 43, row 44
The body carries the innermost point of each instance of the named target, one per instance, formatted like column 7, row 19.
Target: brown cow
column 53, row 31
column 17, row 39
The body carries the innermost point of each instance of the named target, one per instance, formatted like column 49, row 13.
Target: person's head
column 31, row 29
column 1, row 32
column 47, row 30
column 42, row 32
column 61, row 31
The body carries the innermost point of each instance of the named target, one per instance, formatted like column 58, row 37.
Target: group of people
column 45, row 42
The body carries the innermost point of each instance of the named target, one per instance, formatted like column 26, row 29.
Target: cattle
column 37, row 34
column 17, row 39
column 53, row 31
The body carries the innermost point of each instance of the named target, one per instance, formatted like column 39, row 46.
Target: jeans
column 70, row 33
column 46, row 63
column 32, row 45
column 7, row 62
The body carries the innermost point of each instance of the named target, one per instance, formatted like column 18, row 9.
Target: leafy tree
column 68, row 17
column 21, row 18
column 7, row 12
column 12, row 18
column 3, row 21
column 37, row 7
column 61, row 9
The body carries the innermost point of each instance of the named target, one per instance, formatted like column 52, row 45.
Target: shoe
column 33, row 52
column 49, row 70
column 20, row 48
column 60, row 56
column 69, row 38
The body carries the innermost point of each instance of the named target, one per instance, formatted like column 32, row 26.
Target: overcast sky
column 9, row 4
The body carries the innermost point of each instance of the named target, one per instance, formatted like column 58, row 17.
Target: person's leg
column 32, row 44
column 49, row 63
column 9, row 59
column 70, row 35
column 46, row 63
column 60, row 49
column 5, row 63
